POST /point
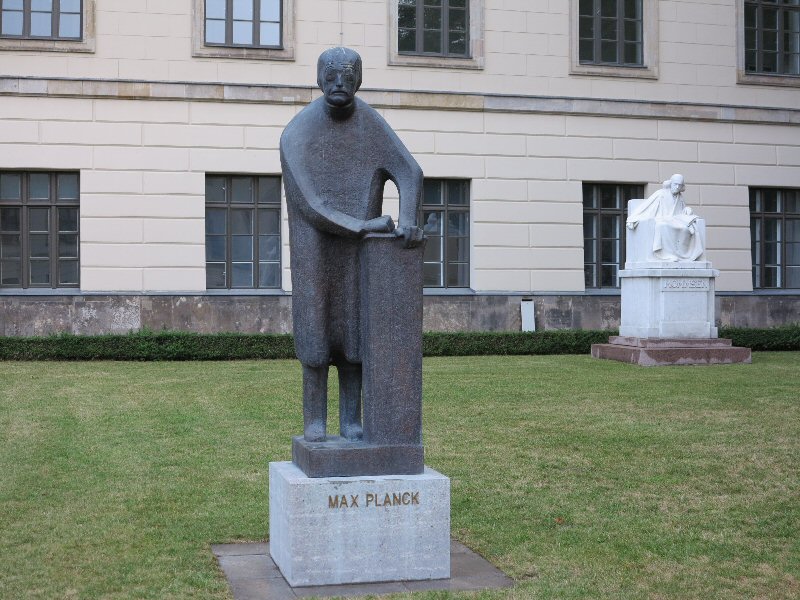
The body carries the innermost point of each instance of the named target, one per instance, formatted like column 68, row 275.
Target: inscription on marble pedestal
column 678, row 285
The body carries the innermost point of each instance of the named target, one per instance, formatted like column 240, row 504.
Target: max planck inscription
column 374, row 500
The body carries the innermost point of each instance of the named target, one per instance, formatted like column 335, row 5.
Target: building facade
column 140, row 177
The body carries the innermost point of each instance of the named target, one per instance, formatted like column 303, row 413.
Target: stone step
column 621, row 340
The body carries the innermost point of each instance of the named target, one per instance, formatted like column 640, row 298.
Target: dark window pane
column 750, row 12
column 433, row 250
column 588, row 276
column 608, row 8
column 608, row 52
column 589, row 254
column 9, row 219
column 458, row 43
column 771, row 253
column 68, row 219
column 242, row 247
column 432, row 41
column 10, row 272
column 608, row 275
column 633, row 9
column 588, row 196
column 269, row 221
column 67, row 184
column 586, row 7
column 215, row 220
column 269, row 190
column 457, row 192
column 269, row 247
column 792, row 254
column 215, row 248
column 242, row 222
column 9, row 246
column 458, row 3
column 457, row 275
column 242, row 275
column 68, row 272
column 769, row 18
column 10, row 186
column 458, row 223
column 39, row 186
column 215, row 275
column 608, row 196
column 215, row 189
column 609, row 226
column 432, row 18
column 39, row 245
column 770, row 200
column 633, row 31
column 589, row 226
column 432, row 275
column 458, row 20
column 407, row 16
column 608, row 29
column 68, row 245
column 432, row 192
column 770, row 279
column 407, row 40
column 609, row 251
column 793, row 230
column 586, row 28
column 633, row 54
column 793, row 277
column 269, row 275
column 40, row 272
column 242, row 190
column 38, row 219
column 458, row 249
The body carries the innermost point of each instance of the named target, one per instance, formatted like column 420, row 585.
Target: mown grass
column 579, row 478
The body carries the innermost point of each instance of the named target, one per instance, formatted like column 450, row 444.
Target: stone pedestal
column 668, row 300
column 657, row 352
column 337, row 530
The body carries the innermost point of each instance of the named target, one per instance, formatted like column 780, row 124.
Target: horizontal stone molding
column 386, row 98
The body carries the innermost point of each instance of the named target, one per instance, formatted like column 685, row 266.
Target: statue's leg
column 315, row 402
column 350, row 400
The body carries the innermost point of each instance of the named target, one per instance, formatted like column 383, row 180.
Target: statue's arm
column 407, row 175
column 315, row 210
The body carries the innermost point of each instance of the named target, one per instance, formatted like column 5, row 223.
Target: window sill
column 767, row 79
column 614, row 71
column 203, row 51
column 47, row 45
column 448, row 292
column 439, row 62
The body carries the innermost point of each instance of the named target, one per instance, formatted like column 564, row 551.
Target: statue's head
column 676, row 184
column 339, row 75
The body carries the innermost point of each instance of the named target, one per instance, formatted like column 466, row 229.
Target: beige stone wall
column 143, row 164
column 527, row 51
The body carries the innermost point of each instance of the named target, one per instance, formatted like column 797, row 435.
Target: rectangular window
column 444, row 217
column 775, row 237
column 605, row 208
column 39, row 229
column 41, row 19
column 243, row 232
column 433, row 27
column 243, row 23
column 772, row 37
column 610, row 32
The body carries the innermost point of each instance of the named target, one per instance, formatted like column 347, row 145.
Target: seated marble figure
column 678, row 235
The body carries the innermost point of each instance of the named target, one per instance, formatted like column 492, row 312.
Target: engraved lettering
column 370, row 498
column 354, row 501
column 406, row 498
column 333, row 501
column 415, row 498
column 343, row 501
column 685, row 284
column 396, row 501
column 387, row 500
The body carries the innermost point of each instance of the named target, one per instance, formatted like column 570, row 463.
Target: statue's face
column 339, row 82
column 676, row 185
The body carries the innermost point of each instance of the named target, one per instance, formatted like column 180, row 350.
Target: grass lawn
column 579, row 478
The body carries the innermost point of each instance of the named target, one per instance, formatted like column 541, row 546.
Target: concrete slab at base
column 341, row 530
column 338, row 457
column 655, row 352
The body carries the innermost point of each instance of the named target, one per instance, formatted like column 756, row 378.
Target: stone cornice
column 421, row 100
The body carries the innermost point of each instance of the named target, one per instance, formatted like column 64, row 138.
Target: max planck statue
column 336, row 155
column 675, row 237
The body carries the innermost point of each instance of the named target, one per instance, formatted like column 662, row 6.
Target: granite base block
column 342, row 530
column 655, row 352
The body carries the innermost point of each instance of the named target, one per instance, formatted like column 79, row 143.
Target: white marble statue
column 675, row 235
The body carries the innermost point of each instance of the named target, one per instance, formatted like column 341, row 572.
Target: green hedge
column 226, row 346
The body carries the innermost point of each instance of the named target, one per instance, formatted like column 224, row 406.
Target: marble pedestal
column 339, row 530
column 668, row 300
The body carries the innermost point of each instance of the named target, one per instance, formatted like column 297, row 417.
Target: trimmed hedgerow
column 148, row 345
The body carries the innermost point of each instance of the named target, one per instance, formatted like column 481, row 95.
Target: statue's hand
column 382, row 224
column 688, row 211
column 413, row 236
column 632, row 225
